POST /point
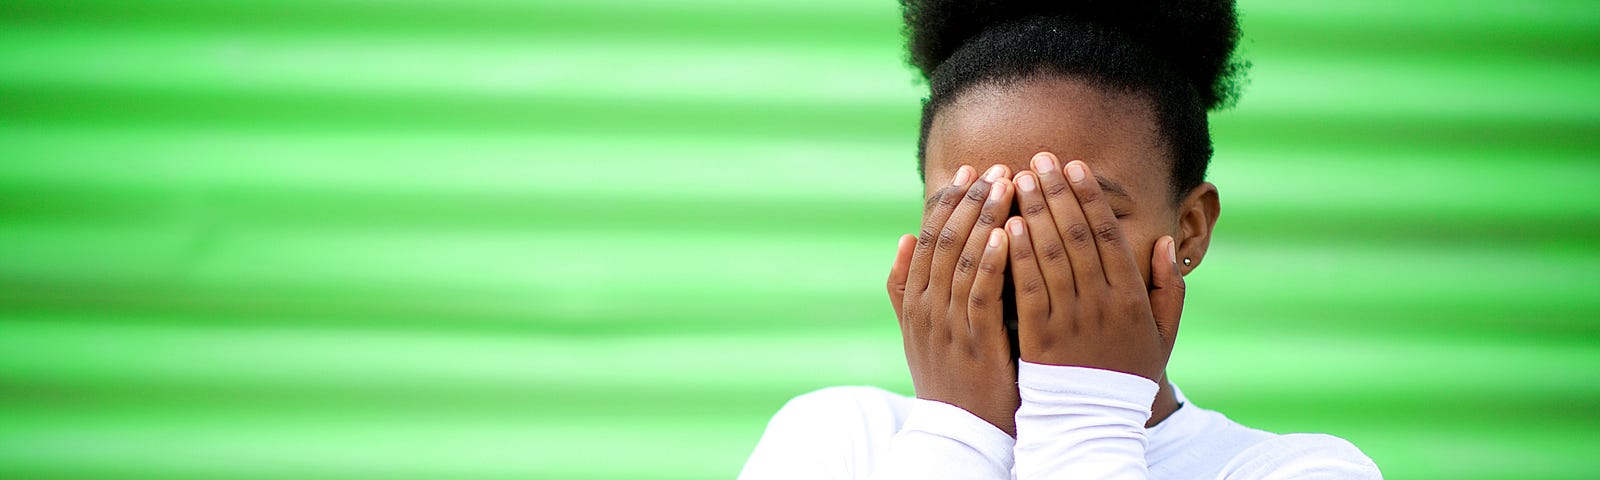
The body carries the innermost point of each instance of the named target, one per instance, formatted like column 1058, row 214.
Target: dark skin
column 1062, row 190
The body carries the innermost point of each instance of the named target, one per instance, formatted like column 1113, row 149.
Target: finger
column 1048, row 251
column 936, row 210
column 1030, row 285
column 899, row 270
column 1166, row 289
column 993, row 214
column 1116, row 258
column 953, row 237
column 1071, row 226
column 984, row 305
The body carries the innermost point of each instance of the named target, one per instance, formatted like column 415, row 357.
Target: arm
column 945, row 287
column 1094, row 340
column 1079, row 422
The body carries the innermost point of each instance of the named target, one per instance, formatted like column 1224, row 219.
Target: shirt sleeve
column 866, row 432
column 940, row 440
column 1081, row 422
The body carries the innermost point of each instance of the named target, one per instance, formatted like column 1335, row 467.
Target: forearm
column 1080, row 422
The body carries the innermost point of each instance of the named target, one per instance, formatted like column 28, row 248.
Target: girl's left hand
column 1080, row 298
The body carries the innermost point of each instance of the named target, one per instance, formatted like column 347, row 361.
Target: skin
column 1095, row 263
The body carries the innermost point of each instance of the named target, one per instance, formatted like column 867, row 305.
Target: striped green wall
column 607, row 239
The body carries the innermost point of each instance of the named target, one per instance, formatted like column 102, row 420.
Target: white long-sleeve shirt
column 1074, row 422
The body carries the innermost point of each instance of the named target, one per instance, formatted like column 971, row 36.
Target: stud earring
column 1187, row 261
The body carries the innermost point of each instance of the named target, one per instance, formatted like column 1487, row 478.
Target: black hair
column 1177, row 53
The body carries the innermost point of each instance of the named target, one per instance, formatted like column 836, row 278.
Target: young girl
column 1063, row 148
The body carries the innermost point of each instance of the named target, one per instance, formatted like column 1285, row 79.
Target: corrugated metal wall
column 607, row 239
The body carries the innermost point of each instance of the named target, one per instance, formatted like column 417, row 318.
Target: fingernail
column 994, row 238
column 1075, row 171
column 963, row 175
column 1172, row 250
column 996, row 190
column 1025, row 182
column 994, row 173
column 1043, row 162
column 1015, row 225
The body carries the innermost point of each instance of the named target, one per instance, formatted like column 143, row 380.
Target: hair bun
column 1195, row 37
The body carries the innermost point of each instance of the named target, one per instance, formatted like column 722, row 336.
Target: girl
column 1063, row 147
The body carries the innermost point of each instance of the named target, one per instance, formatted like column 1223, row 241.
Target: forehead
column 1114, row 132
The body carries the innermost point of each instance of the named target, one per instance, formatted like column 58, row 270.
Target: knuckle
column 978, row 302
column 1107, row 232
column 1089, row 197
column 1131, row 302
column 1054, row 253
column 942, row 198
column 1035, row 209
column 1072, row 328
column 949, row 201
column 989, row 268
column 977, row 194
column 1021, row 252
column 1090, row 318
column 1057, row 190
column 926, row 235
column 987, row 219
column 964, row 264
column 1031, row 286
column 1079, row 233
column 948, row 236
column 1166, row 332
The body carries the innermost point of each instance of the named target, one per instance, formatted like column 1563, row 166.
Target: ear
column 1197, row 217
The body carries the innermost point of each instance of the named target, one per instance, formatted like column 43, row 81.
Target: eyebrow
column 1112, row 187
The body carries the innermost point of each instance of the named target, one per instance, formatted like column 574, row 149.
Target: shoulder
column 1301, row 456
column 860, row 415
column 1199, row 443
column 835, row 432
column 851, row 402
column 849, row 394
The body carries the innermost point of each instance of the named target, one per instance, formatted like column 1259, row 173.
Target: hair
column 1179, row 54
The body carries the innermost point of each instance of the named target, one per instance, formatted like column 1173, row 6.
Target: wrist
column 1055, row 381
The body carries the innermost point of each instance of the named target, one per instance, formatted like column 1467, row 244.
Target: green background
column 608, row 239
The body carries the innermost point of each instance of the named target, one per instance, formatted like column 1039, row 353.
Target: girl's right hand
column 946, row 285
column 1081, row 300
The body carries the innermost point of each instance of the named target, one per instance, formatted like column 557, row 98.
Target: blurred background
column 481, row 239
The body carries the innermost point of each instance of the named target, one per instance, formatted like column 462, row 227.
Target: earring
column 1187, row 261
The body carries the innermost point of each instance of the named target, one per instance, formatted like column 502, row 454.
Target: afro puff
column 1179, row 53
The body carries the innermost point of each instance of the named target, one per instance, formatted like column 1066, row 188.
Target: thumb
column 899, row 271
column 1167, row 288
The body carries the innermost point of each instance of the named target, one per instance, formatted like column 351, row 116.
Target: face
column 1115, row 133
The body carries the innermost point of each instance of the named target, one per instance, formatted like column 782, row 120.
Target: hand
column 1080, row 298
column 945, row 286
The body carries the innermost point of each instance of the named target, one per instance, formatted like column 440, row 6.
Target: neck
column 1166, row 403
